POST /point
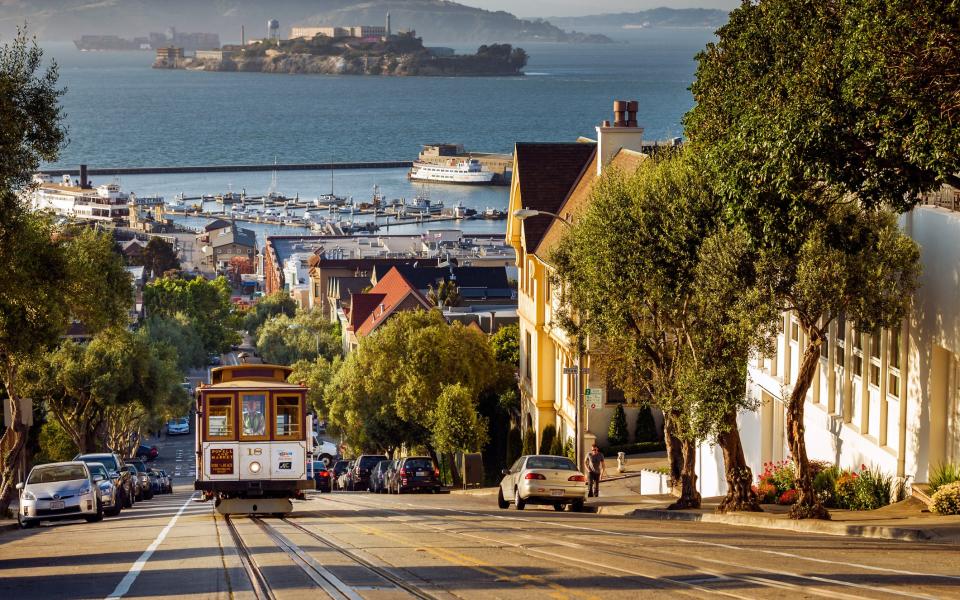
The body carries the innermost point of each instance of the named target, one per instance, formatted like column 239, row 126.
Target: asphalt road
column 355, row 545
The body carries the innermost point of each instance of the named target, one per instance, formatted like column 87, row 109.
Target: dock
column 389, row 164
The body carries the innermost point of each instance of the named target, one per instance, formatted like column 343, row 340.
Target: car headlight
column 86, row 491
column 254, row 467
column 29, row 496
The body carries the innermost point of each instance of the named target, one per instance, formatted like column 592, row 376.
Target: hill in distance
column 434, row 20
column 656, row 17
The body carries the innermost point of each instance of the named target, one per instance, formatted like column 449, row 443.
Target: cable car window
column 220, row 418
column 287, row 417
column 254, row 415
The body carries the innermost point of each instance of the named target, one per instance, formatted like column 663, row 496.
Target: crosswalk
column 184, row 466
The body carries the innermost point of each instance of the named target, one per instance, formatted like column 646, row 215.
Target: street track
column 708, row 580
column 321, row 576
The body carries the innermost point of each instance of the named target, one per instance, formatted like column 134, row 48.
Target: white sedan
column 179, row 426
column 543, row 479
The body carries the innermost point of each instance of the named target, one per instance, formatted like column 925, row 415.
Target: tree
column 282, row 340
column 646, row 427
column 529, row 441
column 506, row 345
column 617, row 433
column 205, row 303
column 556, row 447
column 276, row 303
column 546, row 439
column 316, row 375
column 814, row 118
column 514, row 445
column 446, row 294
column 159, row 257
column 457, row 425
column 177, row 331
column 55, row 444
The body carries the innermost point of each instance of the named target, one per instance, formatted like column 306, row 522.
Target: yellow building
column 557, row 178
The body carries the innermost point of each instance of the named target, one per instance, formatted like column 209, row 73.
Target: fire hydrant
column 621, row 462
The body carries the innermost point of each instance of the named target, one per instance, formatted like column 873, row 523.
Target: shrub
column 569, row 450
column 646, row 430
column 514, row 445
column 556, row 448
column 788, row 497
column 944, row 473
column 946, row 500
column 873, row 489
column 779, row 474
column 845, row 492
column 529, row 442
column 546, row 438
column 617, row 432
column 825, row 485
column 767, row 493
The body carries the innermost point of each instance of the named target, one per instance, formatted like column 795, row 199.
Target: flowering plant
column 788, row 497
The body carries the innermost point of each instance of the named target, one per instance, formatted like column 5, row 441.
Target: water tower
column 273, row 29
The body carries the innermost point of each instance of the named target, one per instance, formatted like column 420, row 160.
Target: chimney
column 623, row 134
column 84, row 184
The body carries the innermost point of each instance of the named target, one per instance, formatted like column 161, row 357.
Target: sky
column 573, row 8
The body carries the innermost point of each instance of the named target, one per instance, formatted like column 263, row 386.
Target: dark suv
column 360, row 477
column 416, row 473
column 127, row 487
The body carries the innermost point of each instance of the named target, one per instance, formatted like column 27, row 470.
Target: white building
column 889, row 400
column 70, row 199
column 296, row 272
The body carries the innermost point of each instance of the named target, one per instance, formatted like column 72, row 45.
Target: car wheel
column 114, row 511
column 24, row 522
column 517, row 500
column 98, row 516
column 326, row 459
column 577, row 506
column 501, row 501
column 558, row 507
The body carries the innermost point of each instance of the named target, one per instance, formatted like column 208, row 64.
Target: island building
column 78, row 199
column 349, row 31
column 501, row 165
column 169, row 57
column 558, row 178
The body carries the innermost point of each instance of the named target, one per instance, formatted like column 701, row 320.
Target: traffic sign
column 593, row 398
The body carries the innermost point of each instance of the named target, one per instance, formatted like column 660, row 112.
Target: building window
column 894, row 350
column 857, row 354
column 527, row 360
column 893, row 366
column 825, row 347
column 794, row 330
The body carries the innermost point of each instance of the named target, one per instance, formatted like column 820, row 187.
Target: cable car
column 253, row 439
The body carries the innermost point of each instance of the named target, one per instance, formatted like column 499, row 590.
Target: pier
column 388, row 164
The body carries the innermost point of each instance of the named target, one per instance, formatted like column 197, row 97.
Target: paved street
column 353, row 545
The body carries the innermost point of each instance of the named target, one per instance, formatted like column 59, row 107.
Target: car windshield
column 97, row 469
column 57, row 473
column 139, row 467
column 550, row 462
column 419, row 463
column 368, row 462
column 107, row 460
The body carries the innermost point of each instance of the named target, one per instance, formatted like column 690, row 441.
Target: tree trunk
column 740, row 495
column 674, row 454
column 808, row 506
column 454, row 472
column 689, row 496
column 12, row 443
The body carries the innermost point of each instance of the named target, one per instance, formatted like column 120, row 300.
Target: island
column 401, row 54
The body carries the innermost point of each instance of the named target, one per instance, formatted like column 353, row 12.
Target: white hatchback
column 543, row 479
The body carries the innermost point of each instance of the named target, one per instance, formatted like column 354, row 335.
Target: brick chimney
column 623, row 133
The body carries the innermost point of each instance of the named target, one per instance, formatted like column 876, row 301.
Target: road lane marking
column 124, row 586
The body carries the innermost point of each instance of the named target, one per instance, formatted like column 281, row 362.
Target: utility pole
column 578, row 372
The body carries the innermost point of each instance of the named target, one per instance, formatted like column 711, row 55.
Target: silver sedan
column 59, row 491
column 543, row 479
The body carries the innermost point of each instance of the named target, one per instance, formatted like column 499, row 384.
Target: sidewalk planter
column 653, row 483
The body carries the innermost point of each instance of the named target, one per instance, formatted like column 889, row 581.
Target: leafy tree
column 205, row 303
column 160, row 257
column 529, row 441
column 276, row 303
column 457, row 425
column 646, row 428
column 444, row 295
column 514, row 445
column 506, row 345
column 55, row 444
column 177, row 331
column 546, row 438
column 316, row 375
column 282, row 340
column 617, row 433
column 814, row 118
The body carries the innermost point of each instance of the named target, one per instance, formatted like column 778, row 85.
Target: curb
column 907, row 534
column 8, row 525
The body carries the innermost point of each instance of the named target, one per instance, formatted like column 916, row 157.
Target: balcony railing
column 946, row 197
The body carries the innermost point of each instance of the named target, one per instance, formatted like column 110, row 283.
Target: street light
column 576, row 370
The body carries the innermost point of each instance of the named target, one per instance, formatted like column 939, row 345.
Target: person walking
column 596, row 469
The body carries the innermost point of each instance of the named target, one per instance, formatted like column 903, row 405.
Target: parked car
column 416, row 474
column 321, row 476
column 360, row 473
column 339, row 468
column 167, row 481
column 147, row 452
column 134, row 475
column 214, row 360
column 64, row 490
column 127, row 485
column 109, row 488
column 543, row 479
column 178, row 426
column 377, row 477
column 156, row 483
column 146, row 487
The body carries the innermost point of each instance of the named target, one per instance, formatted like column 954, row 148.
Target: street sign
column 573, row 371
column 593, row 398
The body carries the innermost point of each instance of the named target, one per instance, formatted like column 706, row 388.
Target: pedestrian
column 596, row 469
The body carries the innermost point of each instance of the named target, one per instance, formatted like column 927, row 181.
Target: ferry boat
column 462, row 171
column 420, row 207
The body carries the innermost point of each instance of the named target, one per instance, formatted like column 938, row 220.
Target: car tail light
column 403, row 472
column 534, row 476
column 436, row 472
column 576, row 478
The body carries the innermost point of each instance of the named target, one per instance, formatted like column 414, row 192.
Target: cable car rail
column 261, row 589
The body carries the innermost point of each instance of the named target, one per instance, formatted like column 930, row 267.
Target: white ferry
column 463, row 171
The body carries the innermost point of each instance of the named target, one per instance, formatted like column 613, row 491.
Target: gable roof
column 394, row 290
column 546, row 173
column 217, row 224
column 361, row 306
column 235, row 235
column 473, row 282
